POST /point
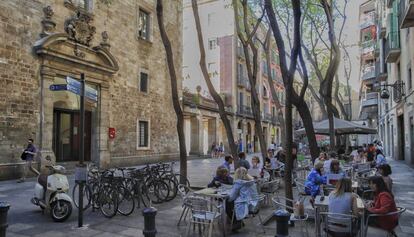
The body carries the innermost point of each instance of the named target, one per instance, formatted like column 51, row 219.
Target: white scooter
column 51, row 193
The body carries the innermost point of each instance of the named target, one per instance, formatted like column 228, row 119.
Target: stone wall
column 20, row 82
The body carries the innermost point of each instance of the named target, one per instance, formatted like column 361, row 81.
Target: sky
column 351, row 34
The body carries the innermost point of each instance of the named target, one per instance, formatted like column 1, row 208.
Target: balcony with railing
column 369, row 100
column 244, row 110
column 368, row 72
column 368, row 47
column 392, row 47
column 367, row 20
column 267, row 117
column 407, row 13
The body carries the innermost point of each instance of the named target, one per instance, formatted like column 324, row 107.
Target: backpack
column 23, row 156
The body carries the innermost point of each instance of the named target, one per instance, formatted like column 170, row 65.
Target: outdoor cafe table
column 324, row 206
column 220, row 194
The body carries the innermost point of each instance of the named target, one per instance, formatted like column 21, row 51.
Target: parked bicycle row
column 122, row 190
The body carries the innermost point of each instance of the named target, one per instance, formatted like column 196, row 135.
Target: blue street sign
column 57, row 87
column 74, row 86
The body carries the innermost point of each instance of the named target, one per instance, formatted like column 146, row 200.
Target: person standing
column 29, row 154
column 240, row 145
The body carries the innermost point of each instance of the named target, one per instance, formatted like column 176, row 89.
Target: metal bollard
column 149, row 214
column 4, row 208
column 282, row 223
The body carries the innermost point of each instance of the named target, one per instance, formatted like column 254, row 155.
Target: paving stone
column 52, row 234
column 19, row 227
column 132, row 232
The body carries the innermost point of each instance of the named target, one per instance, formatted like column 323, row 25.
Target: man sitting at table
column 342, row 201
column 314, row 180
column 228, row 160
column 242, row 161
column 335, row 172
column 383, row 203
column 222, row 177
column 242, row 197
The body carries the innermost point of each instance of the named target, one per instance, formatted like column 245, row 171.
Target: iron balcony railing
column 370, row 99
column 368, row 72
column 392, row 47
column 406, row 11
column 368, row 46
column 244, row 110
column 367, row 20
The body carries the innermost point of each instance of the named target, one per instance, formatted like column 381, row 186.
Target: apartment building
column 227, row 70
column 393, row 64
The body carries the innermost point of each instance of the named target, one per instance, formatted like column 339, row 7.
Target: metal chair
column 202, row 215
column 337, row 223
column 399, row 211
column 280, row 203
column 269, row 189
column 300, row 186
column 184, row 192
column 252, row 213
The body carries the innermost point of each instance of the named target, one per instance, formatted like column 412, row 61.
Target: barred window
column 143, row 134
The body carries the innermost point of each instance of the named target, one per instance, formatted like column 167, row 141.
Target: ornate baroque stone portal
column 70, row 53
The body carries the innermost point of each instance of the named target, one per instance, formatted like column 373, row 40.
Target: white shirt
column 327, row 165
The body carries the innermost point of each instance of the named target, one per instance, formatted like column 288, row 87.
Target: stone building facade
column 118, row 48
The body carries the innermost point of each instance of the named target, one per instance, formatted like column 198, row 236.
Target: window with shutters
column 144, row 25
column 143, row 134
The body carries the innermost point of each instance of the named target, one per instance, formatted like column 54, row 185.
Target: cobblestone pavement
column 26, row 219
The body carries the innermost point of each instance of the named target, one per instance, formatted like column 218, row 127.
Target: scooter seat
column 42, row 180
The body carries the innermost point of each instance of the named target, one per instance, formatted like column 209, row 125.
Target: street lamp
column 398, row 88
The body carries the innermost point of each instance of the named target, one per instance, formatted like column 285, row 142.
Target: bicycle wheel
column 126, row 201
column 162, row 190
column 108, row 201
column 173, row 187
column 156, row 191
column 186, row 181
column 140, row 196
column 86, row 196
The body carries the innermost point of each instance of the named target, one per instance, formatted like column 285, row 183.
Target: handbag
column 23, row 156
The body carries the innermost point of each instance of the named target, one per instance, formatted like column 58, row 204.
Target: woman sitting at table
column 242, row 197
column 222, row 177
column 342, row 201
column 314, row 180
column 255, row 169
column 322, row 157
column 335, row 168
column 385, row 170
column 383, row 203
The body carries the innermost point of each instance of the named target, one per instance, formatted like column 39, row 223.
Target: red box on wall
column 111, row 133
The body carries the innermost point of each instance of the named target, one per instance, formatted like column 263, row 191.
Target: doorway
column 401, row 140
column 66, row 138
